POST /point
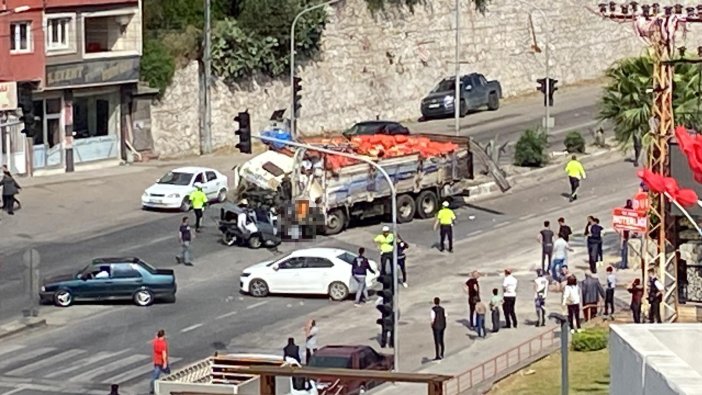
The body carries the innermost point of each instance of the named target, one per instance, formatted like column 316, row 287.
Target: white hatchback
column 310, row 271
column 172, row 191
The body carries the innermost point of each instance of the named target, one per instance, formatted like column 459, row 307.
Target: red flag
column 686, row 197
column 655, row 182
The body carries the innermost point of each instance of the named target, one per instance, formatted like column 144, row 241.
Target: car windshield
column 330, row 362
column 175, row 178
column 347, row 257
column 279, row 260
column 444, row 86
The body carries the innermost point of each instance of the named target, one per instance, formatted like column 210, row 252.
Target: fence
column 501, row 365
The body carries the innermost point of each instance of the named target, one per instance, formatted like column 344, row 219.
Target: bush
column 591, row 339
column 574, row 143
column 530, row 149
column 157, row 65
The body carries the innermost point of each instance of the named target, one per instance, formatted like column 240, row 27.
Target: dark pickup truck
column 476, row 92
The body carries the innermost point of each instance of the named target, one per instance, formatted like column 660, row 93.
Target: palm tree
column 626, row 102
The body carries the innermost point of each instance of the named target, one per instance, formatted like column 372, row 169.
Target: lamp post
column 206, row 137
column 562, row 320
column 457, row 93
column 293, row 129
column 393, row 196
column 547, row 55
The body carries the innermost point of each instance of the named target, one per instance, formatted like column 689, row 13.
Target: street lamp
column 457, row 88
column 15, row 10
column 292, row 61
column 547, row 55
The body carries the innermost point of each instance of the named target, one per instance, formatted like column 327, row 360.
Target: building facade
column 85, row 74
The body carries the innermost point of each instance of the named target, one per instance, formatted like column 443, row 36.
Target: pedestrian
column 495, row 304
column 564, row 230
column 571, row 300
column 10, row 188
column 655, row 297
column 445, row 219
column 576, row 172
column 114, row 389
column 593, row 231
column 480, row 311
column 540, row 294
column 509, row 290
column 292, row 351
column 359, row 269
column 624, row 241
column 198, row 200
column 160, row 358
column 600, row 254
column 565, row 273
column 472, row 288
column 636, row 291
column 545, row 238
column 438, row 327
column 592, row 293
column 6, row 170
column 311, row 333
column 185, row 236
column 560, row 257
column 385, row 242
column 402, row 246
column 609, row 292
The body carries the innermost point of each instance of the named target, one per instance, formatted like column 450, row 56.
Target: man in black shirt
column 359, row 269
column 546, row 240
column 564, row 230
column 185, row 236
column 473, row 288
column 438, row 326
column 593, row 231
column 292, row 351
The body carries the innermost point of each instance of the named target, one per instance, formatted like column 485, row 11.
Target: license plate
column 435, row 105
column 157, row 201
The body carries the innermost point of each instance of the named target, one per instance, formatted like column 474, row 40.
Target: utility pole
column 206, row 135
column 457, row 94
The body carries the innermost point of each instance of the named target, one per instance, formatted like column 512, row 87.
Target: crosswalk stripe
column 103, row 369
column 45, row 362
column 25, row 356
column 102, row 355
column 8, row 348
column 134, row 373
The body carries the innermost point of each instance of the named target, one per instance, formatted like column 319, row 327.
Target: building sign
column 8, row 96
column 93, row 72
column 628, row 219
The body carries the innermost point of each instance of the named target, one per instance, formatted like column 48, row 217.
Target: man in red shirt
column 160, row 357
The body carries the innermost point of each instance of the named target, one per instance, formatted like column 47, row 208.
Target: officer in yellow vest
column 198, row 199
column 576, row 172
column 385, row 242
column 444, row 221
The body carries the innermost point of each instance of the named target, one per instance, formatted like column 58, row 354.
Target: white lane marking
column 151, row 242
column 102, row 355
column 473, row 233
column 528, row 216
column 25, row 356
column 501, row 224
column 134, row 373
column 253, row 306
column 16, row 390
column 103, row 369
column 45, row 362
column 223, row 316
column 8, row 348
column 191, row 328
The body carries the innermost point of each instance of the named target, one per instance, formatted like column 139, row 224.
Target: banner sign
column 628, row 219
column 93, row 72
column 8, row 96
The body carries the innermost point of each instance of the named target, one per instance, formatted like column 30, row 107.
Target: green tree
column 627, row 97
column 530, row 150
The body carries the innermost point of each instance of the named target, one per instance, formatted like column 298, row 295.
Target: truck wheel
column 405, row 208
column 255, row 242
column 427, row 204
column 493, row 102
column 336, row 221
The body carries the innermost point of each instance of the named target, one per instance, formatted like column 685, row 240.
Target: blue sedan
column 111, row 279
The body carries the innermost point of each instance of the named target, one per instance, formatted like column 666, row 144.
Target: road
column 91, row 346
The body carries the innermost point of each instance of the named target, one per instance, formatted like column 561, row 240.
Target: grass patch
column 589, row 374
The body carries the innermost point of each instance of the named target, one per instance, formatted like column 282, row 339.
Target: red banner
column 628, row 219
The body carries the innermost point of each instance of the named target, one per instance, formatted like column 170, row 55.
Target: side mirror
column 275, row 267
column 469, row 87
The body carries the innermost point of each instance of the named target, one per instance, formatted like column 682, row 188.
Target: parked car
column 173, row 189
column 111, row 279
column 310, row 271
column 349, row 357
column 376, row 127
column 476, row 92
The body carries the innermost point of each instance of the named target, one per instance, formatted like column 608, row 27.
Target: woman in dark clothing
column 10, row 188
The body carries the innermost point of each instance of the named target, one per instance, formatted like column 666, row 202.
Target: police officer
column 385, row 243
column 444, row 221
column 198, row 199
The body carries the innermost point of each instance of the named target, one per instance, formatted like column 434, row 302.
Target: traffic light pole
column 393, row 195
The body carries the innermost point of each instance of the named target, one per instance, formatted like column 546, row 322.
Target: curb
column 21, row 325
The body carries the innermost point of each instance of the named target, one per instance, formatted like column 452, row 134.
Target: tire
column 493, row 102
column 63, row 298
column 338, row 291
column 427, row 204
column 258, row 288
column 222, row 196
column 255, row 242
column 336, row 222
column 170, row 298
column 185, row 205
column 405, row 208
column 143, row 297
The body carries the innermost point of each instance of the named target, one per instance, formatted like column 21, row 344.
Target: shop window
column 21, row 37
column 91, row 117
column 109, row 33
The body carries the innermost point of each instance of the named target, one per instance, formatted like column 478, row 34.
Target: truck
column 475, row 92
column 337, row 196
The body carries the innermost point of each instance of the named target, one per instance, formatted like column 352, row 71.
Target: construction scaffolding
column 659, row 27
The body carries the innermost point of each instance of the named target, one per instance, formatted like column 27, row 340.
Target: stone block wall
column 382, row 65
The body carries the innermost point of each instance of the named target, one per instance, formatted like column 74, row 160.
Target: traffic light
column 244, row 132
column 297, row 95
column 387, row 313
column 547, row 90
column 551, row 88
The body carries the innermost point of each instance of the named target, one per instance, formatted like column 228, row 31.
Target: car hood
column 257, row 266
column 59, row 279
column 166, row 189
column 438, row 96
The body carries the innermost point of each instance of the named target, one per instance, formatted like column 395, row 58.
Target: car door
column 212, row 185
column 286, row 275
column 317, row 274
column 98, row 286
column 126, row 279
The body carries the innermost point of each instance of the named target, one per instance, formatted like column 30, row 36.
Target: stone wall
column 383, row 65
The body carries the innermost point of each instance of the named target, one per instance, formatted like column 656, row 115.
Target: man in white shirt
column 509, row 290
column 560, row 257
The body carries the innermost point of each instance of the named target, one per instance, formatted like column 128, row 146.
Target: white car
column 311, row 271
column 173, row 189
